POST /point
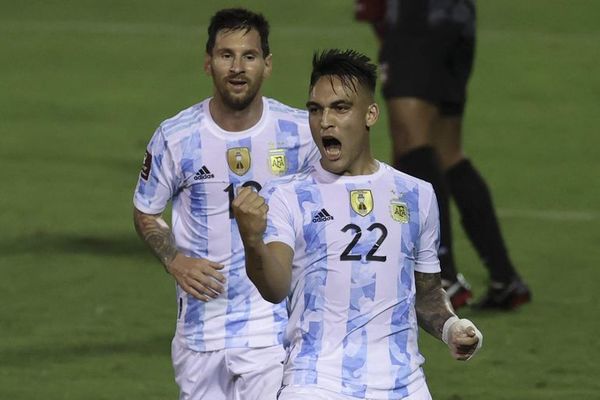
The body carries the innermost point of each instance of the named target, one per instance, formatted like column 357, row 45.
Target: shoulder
column 409, row 181
column 284, row 112
column 183, row 123
column 286, row 185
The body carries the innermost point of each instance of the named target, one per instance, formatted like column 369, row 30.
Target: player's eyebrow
column 341, row 103
column 332, row 104
column 253, row 51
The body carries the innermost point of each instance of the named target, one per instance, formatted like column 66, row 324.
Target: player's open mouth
column 333, row 148
column 237, row 83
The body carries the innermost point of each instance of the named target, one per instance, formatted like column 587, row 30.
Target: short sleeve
column 280, row 224
column 429, row 239
column 157, row 180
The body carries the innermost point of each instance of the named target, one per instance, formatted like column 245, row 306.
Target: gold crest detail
column 238, row 159
column 361, row 201
column 277, row 161
column 399, row 212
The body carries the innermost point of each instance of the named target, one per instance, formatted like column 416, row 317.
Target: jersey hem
column 220, row 344
column 428, row 268
column 147, row 210
column 272, row 239
column 375, row 394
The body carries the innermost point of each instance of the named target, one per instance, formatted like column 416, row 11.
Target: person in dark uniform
column 426, row 57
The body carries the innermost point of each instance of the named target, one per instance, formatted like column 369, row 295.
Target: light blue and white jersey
column 199, row 166
column 357, row 242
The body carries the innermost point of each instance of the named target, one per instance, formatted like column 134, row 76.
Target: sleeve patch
column 146, row 166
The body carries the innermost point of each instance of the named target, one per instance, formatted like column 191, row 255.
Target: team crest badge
column 238, row 159
column 361, row 202
column 399, row 212
column 277, row 161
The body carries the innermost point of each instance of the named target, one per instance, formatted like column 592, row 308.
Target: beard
column 241, row 101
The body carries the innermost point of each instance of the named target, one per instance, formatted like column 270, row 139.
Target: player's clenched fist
column 250, row 212
column 462, row 337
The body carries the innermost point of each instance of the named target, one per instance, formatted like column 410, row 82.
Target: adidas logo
column 322, row 216
column 203, row 173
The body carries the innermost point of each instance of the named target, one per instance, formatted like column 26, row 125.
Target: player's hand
column 463, row 338
column 250, row 212
column 197, row 276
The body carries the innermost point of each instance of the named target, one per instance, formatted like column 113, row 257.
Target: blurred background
column 87, row 313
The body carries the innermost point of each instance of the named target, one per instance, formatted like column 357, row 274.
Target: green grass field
column 87, row 313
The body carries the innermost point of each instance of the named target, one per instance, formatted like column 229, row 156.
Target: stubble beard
column 239, row 103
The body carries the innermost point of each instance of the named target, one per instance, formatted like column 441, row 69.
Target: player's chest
column 362, row 224
column 243, row 162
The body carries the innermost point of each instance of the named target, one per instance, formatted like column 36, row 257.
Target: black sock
column 422, row 163
column 479, row 220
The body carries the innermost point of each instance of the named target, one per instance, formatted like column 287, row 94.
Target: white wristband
column 447, row 326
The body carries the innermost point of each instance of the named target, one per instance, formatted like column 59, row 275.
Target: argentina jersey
column 199, row 167
column 357, row 242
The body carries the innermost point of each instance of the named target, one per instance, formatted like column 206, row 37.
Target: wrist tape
column 445, row 330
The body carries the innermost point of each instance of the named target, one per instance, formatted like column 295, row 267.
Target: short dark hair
column 348, row 65
column 232, row 19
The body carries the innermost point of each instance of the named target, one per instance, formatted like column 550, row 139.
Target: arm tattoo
column 157, row 234
column 432, row 305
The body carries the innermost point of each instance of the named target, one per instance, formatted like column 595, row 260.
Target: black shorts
column 433, row 64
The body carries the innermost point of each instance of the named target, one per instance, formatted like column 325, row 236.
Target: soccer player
column 352, row 243
column 426, row 56
column 228, row 342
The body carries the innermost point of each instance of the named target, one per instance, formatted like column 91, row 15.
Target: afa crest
column 277, row 161
column 238, row 159
column 399, row 212
column 361, row 201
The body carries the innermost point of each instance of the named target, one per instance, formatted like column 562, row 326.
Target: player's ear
column 268, row 66
column 372, row 115
column 207, row 66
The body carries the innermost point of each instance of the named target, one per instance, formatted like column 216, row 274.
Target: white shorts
column 229, row 374
column 316, row 393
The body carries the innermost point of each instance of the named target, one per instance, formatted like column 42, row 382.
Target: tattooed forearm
column 157, row 234
column 432, row 305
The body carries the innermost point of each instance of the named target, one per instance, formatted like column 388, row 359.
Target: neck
column 367, row 166
column 234, row 120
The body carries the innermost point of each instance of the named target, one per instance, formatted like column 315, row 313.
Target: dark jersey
column 419, row 15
